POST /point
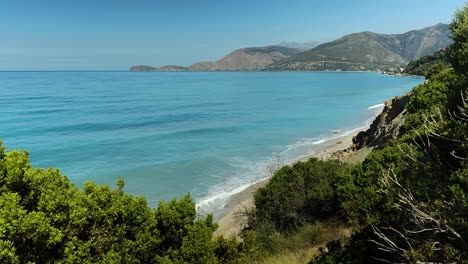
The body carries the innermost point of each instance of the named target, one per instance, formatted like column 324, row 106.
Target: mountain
column 245, row 59
column 302, row 46
column 370, row 51
column 355, row 52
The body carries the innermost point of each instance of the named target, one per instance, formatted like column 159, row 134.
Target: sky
column 116, row 34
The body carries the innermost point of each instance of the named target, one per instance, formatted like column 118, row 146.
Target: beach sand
column 233, row 219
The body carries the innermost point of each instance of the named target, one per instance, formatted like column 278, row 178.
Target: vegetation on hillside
column 407, row 202
column 428, row 65
column 46, row 219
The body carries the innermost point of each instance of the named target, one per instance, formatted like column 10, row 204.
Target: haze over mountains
column 354, row 52
column 302, row 46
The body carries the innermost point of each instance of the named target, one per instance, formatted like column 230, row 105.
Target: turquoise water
column 166, row 134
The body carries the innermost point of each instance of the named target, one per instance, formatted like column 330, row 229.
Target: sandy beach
column 233, row 218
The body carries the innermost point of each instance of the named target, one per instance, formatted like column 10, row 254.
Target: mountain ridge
column 362, row 51
column 370, row 51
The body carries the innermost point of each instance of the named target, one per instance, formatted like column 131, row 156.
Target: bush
column 44, row 219
column 298, row 194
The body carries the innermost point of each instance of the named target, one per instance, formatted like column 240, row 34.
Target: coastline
column 233, row 219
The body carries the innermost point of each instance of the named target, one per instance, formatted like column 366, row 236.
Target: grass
column 304, row 245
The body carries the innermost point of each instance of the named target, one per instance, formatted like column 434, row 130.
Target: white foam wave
column 376, row 106
column 224, row 196
column 323, row 140
column 219, row 195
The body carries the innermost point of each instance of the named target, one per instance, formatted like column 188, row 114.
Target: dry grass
column 300, row 256
column 303, row 253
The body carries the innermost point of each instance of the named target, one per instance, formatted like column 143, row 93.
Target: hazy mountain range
column 358, row 51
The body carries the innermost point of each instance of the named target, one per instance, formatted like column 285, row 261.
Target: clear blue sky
column 115, row 34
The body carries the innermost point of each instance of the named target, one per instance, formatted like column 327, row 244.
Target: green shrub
column 301, row 193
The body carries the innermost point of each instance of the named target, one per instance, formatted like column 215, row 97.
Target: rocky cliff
column 386, row 125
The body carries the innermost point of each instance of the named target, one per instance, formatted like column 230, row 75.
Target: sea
column 210, row 134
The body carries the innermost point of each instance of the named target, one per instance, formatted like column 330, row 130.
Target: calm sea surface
column 166, row 134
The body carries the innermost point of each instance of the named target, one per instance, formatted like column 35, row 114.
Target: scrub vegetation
column 407, row 202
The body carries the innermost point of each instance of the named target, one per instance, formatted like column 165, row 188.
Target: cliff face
column 386, row 126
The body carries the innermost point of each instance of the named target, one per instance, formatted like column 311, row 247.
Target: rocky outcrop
column 386, row 125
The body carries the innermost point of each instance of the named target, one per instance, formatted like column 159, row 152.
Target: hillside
column 370, row 51
column 245, row 59
column 425, row 64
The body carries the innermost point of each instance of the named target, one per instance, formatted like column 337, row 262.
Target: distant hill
column 425, row 64
column 302, row 46
column 245, row 59
column 142, row 68
column 370, row 51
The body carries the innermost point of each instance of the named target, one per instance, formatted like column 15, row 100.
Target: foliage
column 409, row 199
column 427, row 65
column 458, row 52
column 407, row 202
column 44, row 218
column 297, row 194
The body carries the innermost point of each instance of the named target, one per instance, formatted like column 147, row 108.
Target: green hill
column 424, row 65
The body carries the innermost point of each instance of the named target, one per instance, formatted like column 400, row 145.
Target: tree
column 458, row 52
column 46, row 219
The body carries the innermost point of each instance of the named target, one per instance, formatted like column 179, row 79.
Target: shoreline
column 232, row 219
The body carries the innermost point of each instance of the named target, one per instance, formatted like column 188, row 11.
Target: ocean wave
column 376, row 106
column 225, row 196
column 219, row 195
